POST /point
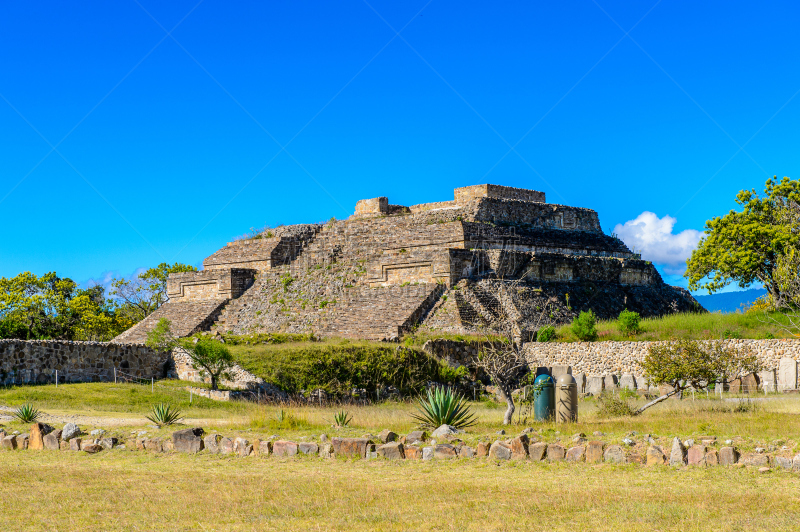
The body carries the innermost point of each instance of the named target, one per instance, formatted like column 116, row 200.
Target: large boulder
column 696, row 455
column 614, row 454
column 350, row 447
column 284, row 448
column 211, row 443
column 519, row 447
column 37, row 433
column 445, row 450
column 188, row 440
column 416, row 436
column 10, row 442
column 308, row 448
column 445, row 431
column 500, row 451
column 655, row 456
column 677, row 455
column 23, row 440
column 51, row 441
column 594, row 452
column 70, row 431
column 242, row 447
column 392, row 451
column 555, row 452
column 387, row 436
column 728, row 456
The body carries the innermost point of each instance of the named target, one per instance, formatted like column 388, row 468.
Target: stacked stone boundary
column 37, row 361
column 704, row 451
column 600, row 359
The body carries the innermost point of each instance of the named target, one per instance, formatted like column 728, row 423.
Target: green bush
column 339, row 368
column 546, row 334
column 610, row 404
column 629, row 323
column 27, row 413
column 585, row 326
column 163, row 415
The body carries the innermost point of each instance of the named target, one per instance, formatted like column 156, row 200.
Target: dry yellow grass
column 121, row 490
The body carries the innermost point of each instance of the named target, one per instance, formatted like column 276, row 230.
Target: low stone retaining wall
column 37, row 361
column 646, row 450
column 622, row 358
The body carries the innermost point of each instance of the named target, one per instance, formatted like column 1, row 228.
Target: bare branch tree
column 502, row 357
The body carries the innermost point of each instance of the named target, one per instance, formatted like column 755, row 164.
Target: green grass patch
column 688, row 325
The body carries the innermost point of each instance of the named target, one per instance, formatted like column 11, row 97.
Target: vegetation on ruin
column 340, row 366
column 584, row 327
column 210, row 357
column 707, row 326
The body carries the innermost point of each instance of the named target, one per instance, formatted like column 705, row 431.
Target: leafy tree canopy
column 744, row 247
column 50, row 307
column 141, row 296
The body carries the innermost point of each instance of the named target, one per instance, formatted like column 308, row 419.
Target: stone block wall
column 366, row 207
column 464, row 195
column 621, row 358
column 540, row 215
column 36, row 361
column 207, row 285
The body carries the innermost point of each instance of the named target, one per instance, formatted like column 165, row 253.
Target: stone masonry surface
column 338, row 278
column 36, row 361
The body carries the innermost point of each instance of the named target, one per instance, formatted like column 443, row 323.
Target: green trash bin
column 544, row 398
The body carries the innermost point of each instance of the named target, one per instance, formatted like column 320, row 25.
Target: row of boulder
column 417, row 445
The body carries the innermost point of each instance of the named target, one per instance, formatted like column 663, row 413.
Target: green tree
column 141, row 296
column 33, row 307
column 211, row 358
column 684, row 364
column 744, row 247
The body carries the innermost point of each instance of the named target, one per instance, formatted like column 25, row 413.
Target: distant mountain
column 730, row 301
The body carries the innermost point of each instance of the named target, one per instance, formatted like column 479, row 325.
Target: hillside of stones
column 476, row 305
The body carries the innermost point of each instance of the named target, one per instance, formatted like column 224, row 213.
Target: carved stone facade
column 304, row 277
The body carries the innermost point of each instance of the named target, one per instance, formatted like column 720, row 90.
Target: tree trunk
column 213, row 381
column 510, row 402
column 656, row 401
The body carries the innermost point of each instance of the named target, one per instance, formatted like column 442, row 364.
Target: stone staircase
column 383, row 313
column 186, row 319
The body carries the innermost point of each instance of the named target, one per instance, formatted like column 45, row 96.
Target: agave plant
column 443, row 406
column 342, row 419
column 27, row 413
column 163, row 414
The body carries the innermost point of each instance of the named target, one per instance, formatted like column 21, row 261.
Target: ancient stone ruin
column 448, row 266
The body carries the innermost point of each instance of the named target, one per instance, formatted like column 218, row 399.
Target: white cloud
column 653, row 238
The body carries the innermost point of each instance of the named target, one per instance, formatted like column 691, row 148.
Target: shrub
column 585, row 326
column 443, row 406
column 163, row 414
column 613, row 405
column 338, row 369
column 27, row 413
column 629, row 323
column 546, row 334
column 342, row 419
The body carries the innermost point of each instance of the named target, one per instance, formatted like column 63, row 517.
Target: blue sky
column 179, row 125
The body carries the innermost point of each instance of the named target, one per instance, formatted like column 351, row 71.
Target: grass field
column 774, row 421
column 120, row 490
column 692, row 326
